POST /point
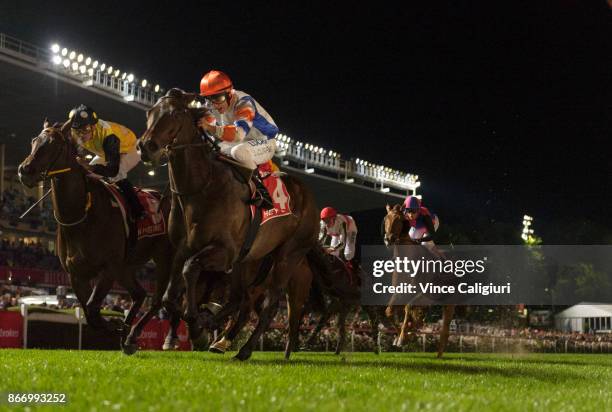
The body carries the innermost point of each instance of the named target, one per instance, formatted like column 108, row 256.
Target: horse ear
column 388, row 208
column 66, row 127
column 190, row 97
column 397, row 208
column 46, row 123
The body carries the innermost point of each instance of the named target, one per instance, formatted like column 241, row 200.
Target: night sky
column 501, row 109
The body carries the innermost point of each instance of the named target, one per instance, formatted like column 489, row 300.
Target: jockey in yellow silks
column 114, row 147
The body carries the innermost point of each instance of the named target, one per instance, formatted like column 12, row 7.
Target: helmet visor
column 217, row 98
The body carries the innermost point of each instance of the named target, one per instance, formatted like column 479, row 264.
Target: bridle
column 51, row 173
column 173, row 146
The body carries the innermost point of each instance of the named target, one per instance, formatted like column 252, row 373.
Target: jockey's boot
column 263, row 198
column 128, row 191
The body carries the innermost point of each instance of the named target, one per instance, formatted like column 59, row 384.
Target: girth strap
column 251, row 234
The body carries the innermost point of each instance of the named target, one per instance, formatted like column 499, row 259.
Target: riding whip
column 34, row 205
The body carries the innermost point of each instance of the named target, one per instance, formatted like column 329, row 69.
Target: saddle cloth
column 154, row 224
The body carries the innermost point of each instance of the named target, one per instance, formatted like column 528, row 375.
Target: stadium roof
column 587, row 310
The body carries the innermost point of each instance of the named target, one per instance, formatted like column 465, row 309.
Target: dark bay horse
column 91, row 239
column 394, row 235
column 333, row 281
column 210, row 219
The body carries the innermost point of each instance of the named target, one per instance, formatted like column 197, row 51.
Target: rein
column 53, row 173
column 81, row 220
column 184, row 146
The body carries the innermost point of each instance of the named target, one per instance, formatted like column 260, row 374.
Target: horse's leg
column 374, row 325
column 325, row 315
column 135, row 290
column 82, row 289
column 138, row 295
column 223, row 343
column 267, row 313
column 191, row 273
column 298, row 290
column 342, row 314
column 447, row 316
column 171, row 341
column 402, row 335
column 100, row 290
column 240, row 302
column 173, row 292
column 162, row 275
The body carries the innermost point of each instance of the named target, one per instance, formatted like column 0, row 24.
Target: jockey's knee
column 242, row 154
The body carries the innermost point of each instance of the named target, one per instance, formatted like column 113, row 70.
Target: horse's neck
column 69, row 195
column 195, row 170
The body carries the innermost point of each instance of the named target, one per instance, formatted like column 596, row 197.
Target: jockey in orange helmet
column 342, row 230
column 247, row 132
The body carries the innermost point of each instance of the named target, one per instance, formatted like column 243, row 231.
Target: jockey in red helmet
column 342, row 230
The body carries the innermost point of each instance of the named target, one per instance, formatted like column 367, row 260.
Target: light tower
column 528, row 234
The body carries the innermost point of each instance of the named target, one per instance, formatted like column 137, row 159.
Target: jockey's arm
column 208, row 123
column 246, row 118
column 322, row 231
column 112, row 155
column 430, row 229
column 341, row 238
column 324, row 238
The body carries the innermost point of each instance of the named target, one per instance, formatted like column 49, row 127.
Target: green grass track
column 185, row 381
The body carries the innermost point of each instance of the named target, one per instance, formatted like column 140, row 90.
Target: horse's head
column 169, row 121
column 52, row 153
column 393, row 224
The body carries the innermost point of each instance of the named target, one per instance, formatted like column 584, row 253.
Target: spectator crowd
column 14, row 203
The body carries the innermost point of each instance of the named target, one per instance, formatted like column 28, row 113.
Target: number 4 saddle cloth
column 278, row 192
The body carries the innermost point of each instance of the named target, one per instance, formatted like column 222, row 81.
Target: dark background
column 501, row 108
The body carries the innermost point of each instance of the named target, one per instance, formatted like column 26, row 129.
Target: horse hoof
column 221, row 346
column 171, row 344
column 241, row 356
column 130, row 348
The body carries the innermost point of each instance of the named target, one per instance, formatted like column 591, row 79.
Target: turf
column 157, row 381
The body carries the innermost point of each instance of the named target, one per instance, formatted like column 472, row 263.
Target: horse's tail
column 324, row 278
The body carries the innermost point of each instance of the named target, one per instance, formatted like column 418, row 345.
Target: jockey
column 247, row 132
column 422, row 224
column 115, row 151
column 343, row 232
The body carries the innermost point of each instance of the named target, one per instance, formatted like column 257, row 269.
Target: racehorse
column 91, row 239
column 394, row 235
column 343, row 289
column 210, row 221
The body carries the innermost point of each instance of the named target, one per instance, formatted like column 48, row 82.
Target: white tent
column 585, row 317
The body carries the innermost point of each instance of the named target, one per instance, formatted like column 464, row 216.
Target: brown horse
column 210, row 212
column 91, row 239
column 395, row 235
column 332, row 280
